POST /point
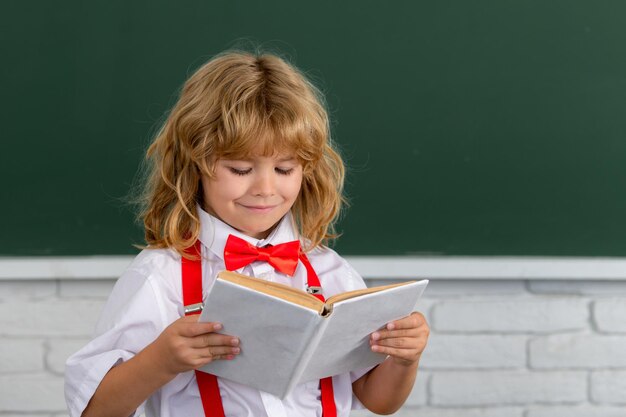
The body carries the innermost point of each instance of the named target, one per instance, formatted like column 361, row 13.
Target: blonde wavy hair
column 236, row 105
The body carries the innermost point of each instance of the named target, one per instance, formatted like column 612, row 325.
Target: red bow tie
column 239, row 253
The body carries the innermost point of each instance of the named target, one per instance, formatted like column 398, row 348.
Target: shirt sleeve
column 130, row 320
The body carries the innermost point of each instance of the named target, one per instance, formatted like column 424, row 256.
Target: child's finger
column 218, row 352
column 399, row 342
column 405, row 327
column 408, row 355
column 388, row 334
column 193, row 329
column 415, row 319
column 418, row 342
column 214, row 339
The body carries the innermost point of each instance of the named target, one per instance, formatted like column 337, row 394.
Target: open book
column 289, row 336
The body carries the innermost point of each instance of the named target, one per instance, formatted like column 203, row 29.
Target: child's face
column 252, row 195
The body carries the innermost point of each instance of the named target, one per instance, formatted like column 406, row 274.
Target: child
column 245, row 154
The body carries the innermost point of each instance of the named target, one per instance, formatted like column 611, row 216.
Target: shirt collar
column 214, row 233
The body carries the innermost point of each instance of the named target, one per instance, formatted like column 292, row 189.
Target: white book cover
column 283, row 343
column 345, row 345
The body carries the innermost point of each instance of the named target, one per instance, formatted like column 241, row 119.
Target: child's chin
column 261, row 232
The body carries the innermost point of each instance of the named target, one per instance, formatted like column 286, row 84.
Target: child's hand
column 186, row 344
column 404, row 340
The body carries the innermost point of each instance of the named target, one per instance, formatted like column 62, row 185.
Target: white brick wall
column 578, row 351
column 498, row 348
column 609, row 387
column 533, row 315
column 40, row 325
column 610, row 315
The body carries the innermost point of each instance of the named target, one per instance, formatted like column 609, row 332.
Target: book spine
column 308, row 353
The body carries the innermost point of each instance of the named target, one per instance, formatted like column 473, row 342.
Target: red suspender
column 326, row 384
column 192, row 277
column 192, row 294
column 207, row 383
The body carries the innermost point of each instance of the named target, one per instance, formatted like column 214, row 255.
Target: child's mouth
column 259, row 209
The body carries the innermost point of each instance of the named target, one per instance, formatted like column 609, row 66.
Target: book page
column 357, row 293
column 276, row 289
column 344, row 345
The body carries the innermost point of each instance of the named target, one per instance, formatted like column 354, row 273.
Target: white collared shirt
column 148, row 297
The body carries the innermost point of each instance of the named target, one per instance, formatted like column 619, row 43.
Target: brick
column 21, row 355
column 610, row 315
column 578, row 351
column 608, row 387
column 464, row 288
column 507, row 388
column 60, row 350
column 49, row 318
column 464, row 412
column 474, row 351
column 93, row 288
column 577, row 411
column 31, row 393
column 588, row 287
column 27, row 290
column 513, row 316
column 448, row 412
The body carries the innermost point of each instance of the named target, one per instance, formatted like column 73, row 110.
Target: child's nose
column 264, row 185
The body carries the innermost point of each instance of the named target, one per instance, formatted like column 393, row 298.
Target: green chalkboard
column 469, row 127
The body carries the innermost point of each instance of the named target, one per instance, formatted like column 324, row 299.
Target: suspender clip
column 194, row 308
column 314, row 290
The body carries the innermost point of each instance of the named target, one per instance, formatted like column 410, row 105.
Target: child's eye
column 284, row 171
column 239, row 171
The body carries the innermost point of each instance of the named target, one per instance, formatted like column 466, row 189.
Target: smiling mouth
column 258, row 209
